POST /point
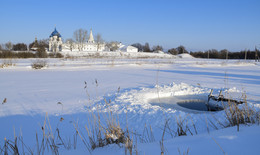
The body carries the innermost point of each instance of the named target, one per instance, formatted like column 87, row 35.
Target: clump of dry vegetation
column 244, row 114
column 47, row 142
column 39, row 64
column 100, row 135
column 237, row 112
column 7, row 63
column 55, row 55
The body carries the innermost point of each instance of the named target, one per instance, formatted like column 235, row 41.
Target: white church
column 56, row 44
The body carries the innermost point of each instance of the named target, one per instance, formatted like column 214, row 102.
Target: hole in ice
column 188, row 103
column 194, row 104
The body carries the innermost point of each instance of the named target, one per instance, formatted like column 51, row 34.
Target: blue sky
column 196, row 24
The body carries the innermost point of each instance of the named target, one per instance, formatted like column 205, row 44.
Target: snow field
column 130, row 85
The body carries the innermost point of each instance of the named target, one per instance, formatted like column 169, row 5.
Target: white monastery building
column 91, row 45
column 56, row 44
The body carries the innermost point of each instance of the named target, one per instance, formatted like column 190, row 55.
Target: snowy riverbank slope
column 75, row 88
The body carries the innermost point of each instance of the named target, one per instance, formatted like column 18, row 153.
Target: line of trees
column 80, row 36
column 43, row 43
column 40, row 53
column 6, row 46
column 225, row 54
column 179, row 50
column 146, row 47
column 9, row 46
column 15, row 47
column 20, row 47
column 112, row 45
column 10, row 50
column 215, row 54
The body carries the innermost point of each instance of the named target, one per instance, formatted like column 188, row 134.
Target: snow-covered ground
column 140, row 90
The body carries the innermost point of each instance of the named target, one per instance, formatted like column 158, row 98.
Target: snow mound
column 140, row 105
column 185, row 55
column 136, row 103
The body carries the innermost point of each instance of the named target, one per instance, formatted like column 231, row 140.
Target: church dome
column 55, row 33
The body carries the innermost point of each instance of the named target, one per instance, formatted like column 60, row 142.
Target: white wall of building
column 132, row 49
column 128, row 49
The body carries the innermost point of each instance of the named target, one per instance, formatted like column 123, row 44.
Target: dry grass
column 7, row 63
column 100, row 135
column 39, row 64
column 237, row 112
column 147, row 136
column 219, row 145
column 163, row 150
column 48, row 142
column 183, row 127
column 185, row 152
column 244, row 114
column 51, row 142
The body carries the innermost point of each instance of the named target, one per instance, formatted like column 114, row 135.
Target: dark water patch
column 187, row 103
column 194, row 104
column 200, row 105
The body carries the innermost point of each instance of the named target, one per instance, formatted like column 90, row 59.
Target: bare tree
column 8, row 46
column 139, row 46
column 80, row 36
column 20, row 47
column 173, row 51
column 44, row 43
column 256, row 55
column 213, row 53
column 71, row 43
column 157, row 48
column 181, row 49
column 112, row 46
column 147, row 47
column 224, row 53
column 99, row 40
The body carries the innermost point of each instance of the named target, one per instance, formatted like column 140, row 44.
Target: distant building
column 128, row 49
column 35, row 45
column 55, row 42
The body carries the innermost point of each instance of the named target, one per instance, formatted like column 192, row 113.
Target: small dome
column 55, row 33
